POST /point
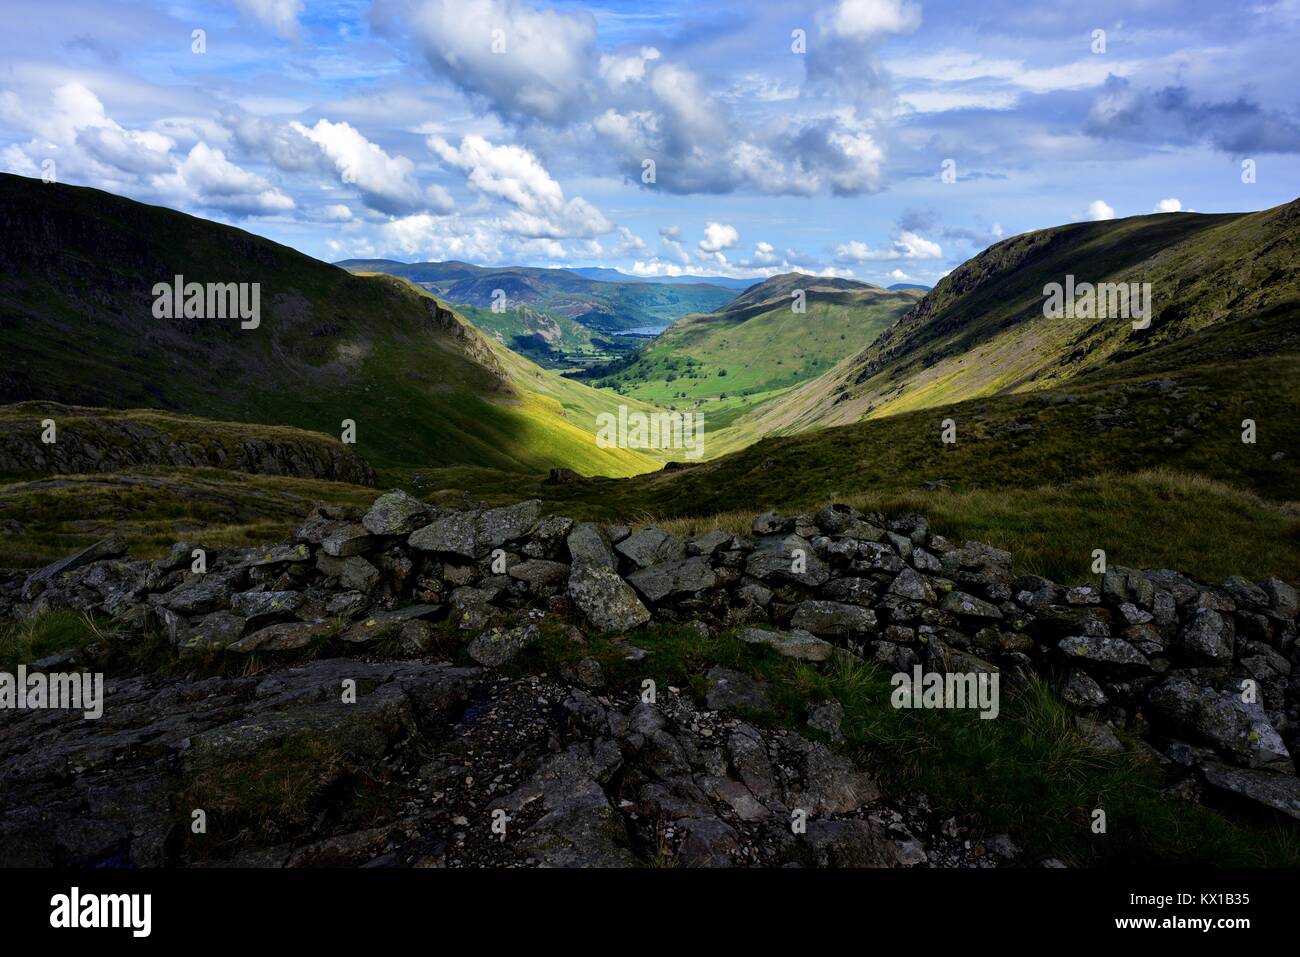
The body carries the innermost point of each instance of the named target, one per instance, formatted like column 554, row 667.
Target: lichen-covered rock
column 607, row 601
column 395, row 513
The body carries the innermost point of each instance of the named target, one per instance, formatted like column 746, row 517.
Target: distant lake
column 645, row 330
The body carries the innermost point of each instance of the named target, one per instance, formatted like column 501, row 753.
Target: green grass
column 751, row 352
column 22, row 642
column 155, row 508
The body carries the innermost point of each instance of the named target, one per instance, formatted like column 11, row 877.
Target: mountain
column 911, row 285
column 983, row 329
column 757, row 346
column 607, row 307
column 79, row 325
column 605, row 274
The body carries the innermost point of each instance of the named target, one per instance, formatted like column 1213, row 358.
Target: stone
column 1081, row 691
column 539, row 573
column 454, row 534
column 796, row 644
column 968, row 606
column 730, row 690
column 828, row 718
column 650, row 546
column 287, row 636
column 497, row 647
column 1239, row 730
column 264, row 606
column 607, row 601
column 1207, row 637
column 387, row 623
column 395, row 513
column 1281, row 792
column 112, row 546
column 1112, row 652
column 909, row 584
column 347, row 539
column 587, row 545
column 708, row 543
column 213, row 632
column 496, row 526
column 686, row 577
column 833, row 618
column 779, row 557
column 1282, row 597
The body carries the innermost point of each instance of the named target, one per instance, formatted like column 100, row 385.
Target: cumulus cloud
column 862, row 19
column 717, row 237
column 1099, row 210
column 207, row 178
column 1171, row 205
column 528, row 63
column 385, row 183
column 906, row 245
column 74, row 129
column 515, row 175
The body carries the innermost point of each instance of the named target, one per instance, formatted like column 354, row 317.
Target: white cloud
column 337, row 213
column 1171, row 205
column 906, row 245
column 717, row 237
column 515, row 175
column 207, row 178
column 280, row 15
column 619, row 69
column 863, row 19
column 1099, row 209
column 545, row 61
column 386, row 183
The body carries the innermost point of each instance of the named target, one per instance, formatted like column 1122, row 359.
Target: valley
column 963, row 414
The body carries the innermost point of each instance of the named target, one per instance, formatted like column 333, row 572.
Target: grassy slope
column 540, row 336
column 422, row 385
column 727, row 362
column 1044, row 473
column 47, row 518
column 607, row 306
column 981, row 331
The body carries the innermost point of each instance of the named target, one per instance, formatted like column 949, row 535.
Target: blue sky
column 783, row 136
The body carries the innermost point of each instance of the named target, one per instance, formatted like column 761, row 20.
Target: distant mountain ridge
column 608, row 307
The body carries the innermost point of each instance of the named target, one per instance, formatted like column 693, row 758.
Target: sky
column 884, row 140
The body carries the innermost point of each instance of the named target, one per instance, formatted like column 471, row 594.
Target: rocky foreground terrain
column 315, row 704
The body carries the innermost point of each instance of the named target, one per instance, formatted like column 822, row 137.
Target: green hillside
column 728, row 362
column 423, row 387
column 982, row 330
column 604, row 306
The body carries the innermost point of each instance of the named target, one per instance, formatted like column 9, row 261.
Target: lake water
column 644, row 330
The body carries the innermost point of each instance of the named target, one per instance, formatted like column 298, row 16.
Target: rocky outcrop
column 101, row 440
column 1201, row 677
